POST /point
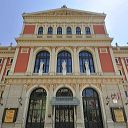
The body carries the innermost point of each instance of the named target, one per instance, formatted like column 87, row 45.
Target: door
column 64, row 116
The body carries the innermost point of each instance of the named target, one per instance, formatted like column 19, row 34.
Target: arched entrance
column 36, row 110
column 64, row 114
column 91, row 109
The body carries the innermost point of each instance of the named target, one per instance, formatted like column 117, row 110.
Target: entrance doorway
column 64, row 114
column 91, row 109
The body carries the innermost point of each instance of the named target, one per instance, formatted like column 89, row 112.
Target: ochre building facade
column 64, row 73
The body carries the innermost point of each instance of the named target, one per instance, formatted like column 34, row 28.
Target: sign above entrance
column 72, row 101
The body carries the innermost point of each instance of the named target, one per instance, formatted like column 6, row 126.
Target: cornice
column 63, row 79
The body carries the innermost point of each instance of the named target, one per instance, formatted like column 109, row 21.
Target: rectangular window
column 126, row 93
column 1, row 60
column 11, row 60
column 117, row 60
column 103, row 50
column 126, row 60
column 120, row 71
column 24, row 50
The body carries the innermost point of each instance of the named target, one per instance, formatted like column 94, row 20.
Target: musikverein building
column 64, row 73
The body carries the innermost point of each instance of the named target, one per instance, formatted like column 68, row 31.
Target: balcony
column 63, row 36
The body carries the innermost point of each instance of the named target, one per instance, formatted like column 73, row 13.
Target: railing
column 64, row 36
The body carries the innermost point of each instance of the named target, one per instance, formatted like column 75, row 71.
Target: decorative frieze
column 63, row 80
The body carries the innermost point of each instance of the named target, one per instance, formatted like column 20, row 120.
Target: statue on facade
column 87, row 68
column 41, row 69
column 64, row 67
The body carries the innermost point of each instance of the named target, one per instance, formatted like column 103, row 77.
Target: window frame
column 59, row 31
column 61, row 56
column 50, row 30
column 87, row 31
column 40, row 32
column 126, row 60
column 69, row 32
column 117, row 60
column 42, row 56
column 1, row 60
column 78, row 31
column 86, row 56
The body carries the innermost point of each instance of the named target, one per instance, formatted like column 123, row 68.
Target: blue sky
column 11, row 19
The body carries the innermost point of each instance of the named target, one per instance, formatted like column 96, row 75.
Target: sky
column 11, row 16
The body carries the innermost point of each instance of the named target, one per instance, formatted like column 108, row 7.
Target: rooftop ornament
column 64, row 6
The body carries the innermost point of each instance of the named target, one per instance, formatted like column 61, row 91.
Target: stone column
column 48, row 116
column 52, row 62
column 75, row 62
column 79, row 108
column 29, row 68
column 99, row 69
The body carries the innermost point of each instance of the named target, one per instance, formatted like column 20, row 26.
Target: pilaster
column 98, row 61
column 52, row 62
column 30, row 62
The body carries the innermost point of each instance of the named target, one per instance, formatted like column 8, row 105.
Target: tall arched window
column 59, row 31
column 37, row 109
column 50, row 30
column 69, row 31
column 44, row 57
column 61, row 57
column 87, row 31
column 40, row 31
column 83, row 57
column 91, row 109
column 78, row 30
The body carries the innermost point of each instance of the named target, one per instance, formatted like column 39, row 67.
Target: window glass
column 69, row 31
column 78, row 30
column 83, row 57
column 59, row 31
column 50, row 30
column 44, row 57
column 61, row 57
column 40, row 31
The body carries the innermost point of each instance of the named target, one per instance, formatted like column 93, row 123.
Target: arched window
column 85, row 56
column 40, row 31
column 61, row 57
column 78, row 30
column 87, row 31
column 50, row 30
column 42, row 57
column 64, row 92
column 37, row 109
column 69, row 31
column 59, row 31
column 91, row 109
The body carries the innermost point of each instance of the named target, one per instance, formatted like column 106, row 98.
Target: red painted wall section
column 106, row 61
column 29, row 29
column 22, row 61
column 99, row 29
